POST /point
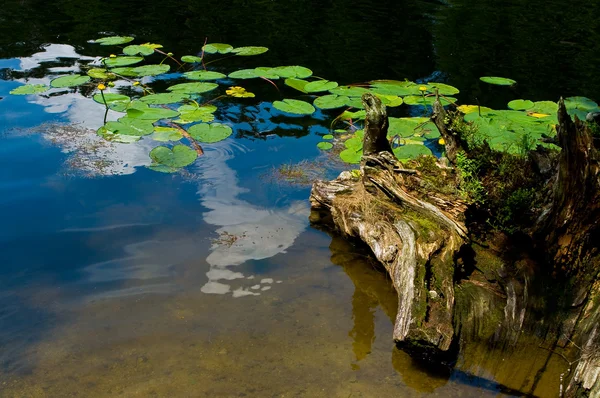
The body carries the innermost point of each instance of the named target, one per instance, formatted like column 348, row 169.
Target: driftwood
column 413, row 224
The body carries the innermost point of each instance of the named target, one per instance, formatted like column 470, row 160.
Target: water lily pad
column 113, row 40
column 138, row 49
column 193, row 113
column 520, row 104
column 424, row 101
column 296, row 71
column 113, row 137
column 355, row 102
column 165, row 98
column 116, row 102
column 547, row 107
column 29, row 89
column 122, row 61
column 443, row 89
column 244, row 74
column 100, row 73
column 350, row 155
column 320, row 85
column 296, row 83
column 327, row 137
column 394, row 87
column 499, row 81
column 193, row 88
column 69, row 81
column 250, row 50
column 390, row 100
column 124, row 71
column 204, row 75
column 296, row 107
column 325, row 146
column 191, row 59
column 330, row 101
column 210, row 133
column 350, row 91
column 582, row 103
column 151, row 70
column 214, row 48
column 141, row 110
column 164, row 134
column 179, row 156
column 161, row 168
column 266, row 72
column 128, row 126
column 466, row 109
column 411, row 151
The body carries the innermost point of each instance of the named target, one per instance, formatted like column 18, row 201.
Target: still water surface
column 113, row 280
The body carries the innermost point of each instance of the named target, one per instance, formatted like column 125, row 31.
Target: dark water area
column 116, row 280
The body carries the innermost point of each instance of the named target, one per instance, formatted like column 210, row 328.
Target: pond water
column 116, row 280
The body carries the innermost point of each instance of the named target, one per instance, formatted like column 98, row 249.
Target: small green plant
column 470, row 187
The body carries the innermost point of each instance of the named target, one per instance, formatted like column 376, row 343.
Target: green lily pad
column 194, row 113
column 327, row 137
column 161, row 168
column 193, row 88
column 164, row 134
column 116, row 102
column 69, row 81
column 210, row 133
column 296, row 83
column 250, row 50
column 355, row 102
column 325, row 146
column 405, row 126
column 390, row 100
column 320, row 85
column 113, row 137
column 330, row 101
column 151, row 70
column 204, row 75
column 214, row 48
column 99, row 73
column 350, row 91
column 268, row 73
column 520, row 104
column 122, row 61
column 547, row 107
column 113, row 40
column 141, row 110
column 424, row 101
column 137, row 49
column 394, row 87
column 411, row 151
column 443, row 89
column 165, row 98
column 296, row 107
column 582, row 103
column 29, row 89
column 295, row 71
column 179, row 156
column 190, row 59
column 244, row 74
column 499, row 81
column 124, row 71
column 351, row 156
column 129, row 126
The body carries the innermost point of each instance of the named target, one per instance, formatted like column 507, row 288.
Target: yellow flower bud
column 170, row 54
column 422, row 88
column 136, row 83
column 442, row 141
column 101, row 86
column 110, row 84
column 112, row 56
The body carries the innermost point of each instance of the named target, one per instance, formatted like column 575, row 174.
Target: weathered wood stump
column 413, row 221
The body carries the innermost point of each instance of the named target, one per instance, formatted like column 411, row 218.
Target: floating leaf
column 164, row 134
column 405, row 126
column 151, row 70
column 330, row 101
column 548, row 107
column 355, row 102
column 520, row 104
column 473, row 108
column 116, row 102
column 351, row 156
column 327, row 137
column 325, row 145
column 29, row 89
column 582, row 103
column 210, row 133
column 164, row 98
column 194, row 113
column 251, row 50
column 320, row 85
column 499, row 81
column 124, row 71
column 204, row 75
column 99, row 73
column 122, row 138
column 161, row 168
column 193, row 88
column 244, row 74
column 141, row 110
column 390, row 100
column 350, row 91
column 191, row 59
column 113, row 40
column 69, row 81
column 137, row 49
column 443, row 89
column 296, row 71
column 122, row 61
column 179, row 156
column 296, row 83
column 129, row 126
column 353, row 115
column 394, row 87
column 423, row 101
column 265, row 72
column 411, row 151
column 221, row 48
column 294, row 106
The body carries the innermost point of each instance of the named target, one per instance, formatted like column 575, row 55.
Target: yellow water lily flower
column 101, row 87
column 422, row 88
column 136, row 83
column 239, row 92
column 441, row 141
column 112, row 56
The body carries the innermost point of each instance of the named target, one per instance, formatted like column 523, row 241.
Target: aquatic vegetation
column 188, row 112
